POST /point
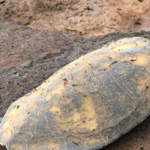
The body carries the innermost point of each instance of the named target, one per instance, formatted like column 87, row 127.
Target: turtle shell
column 87, row 104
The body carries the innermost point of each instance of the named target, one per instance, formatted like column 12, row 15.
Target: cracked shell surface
column 87, row 104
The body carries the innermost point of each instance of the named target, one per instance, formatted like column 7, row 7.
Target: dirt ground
column 86, row 17
column 41, row 42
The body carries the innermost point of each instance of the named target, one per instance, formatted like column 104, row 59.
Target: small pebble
column 2, row 1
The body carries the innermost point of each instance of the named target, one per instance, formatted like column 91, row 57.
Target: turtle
column 85, row 105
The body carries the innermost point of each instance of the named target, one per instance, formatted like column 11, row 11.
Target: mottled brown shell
column 85, row 105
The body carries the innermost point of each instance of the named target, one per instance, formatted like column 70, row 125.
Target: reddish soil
column 40, row 43
column 86, row 17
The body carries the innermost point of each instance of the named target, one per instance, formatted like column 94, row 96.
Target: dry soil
column 41, row 42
